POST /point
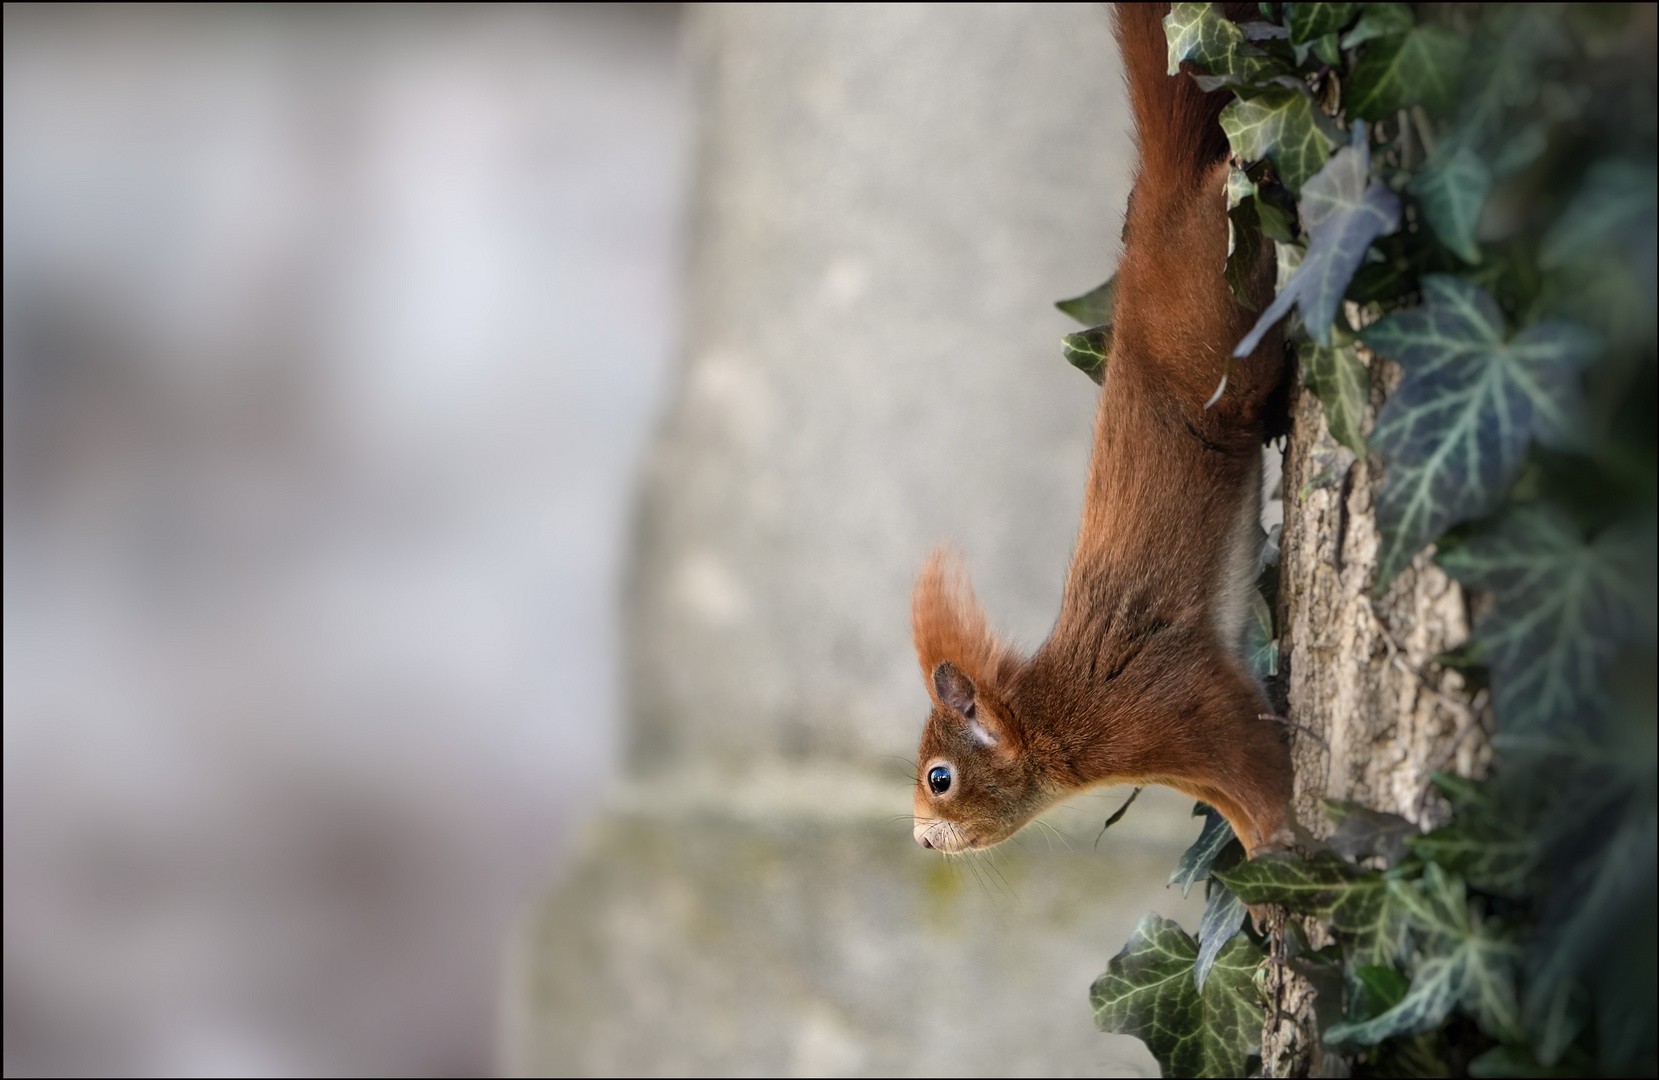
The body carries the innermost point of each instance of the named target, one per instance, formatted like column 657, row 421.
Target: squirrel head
column 975, row 783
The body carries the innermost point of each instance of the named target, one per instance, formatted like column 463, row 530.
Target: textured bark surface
column 1380, row 713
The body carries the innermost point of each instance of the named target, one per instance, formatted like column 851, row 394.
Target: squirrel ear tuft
column 950, row 630
column 954, row 689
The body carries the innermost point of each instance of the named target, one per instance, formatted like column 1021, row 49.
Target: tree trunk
column 1377, row 713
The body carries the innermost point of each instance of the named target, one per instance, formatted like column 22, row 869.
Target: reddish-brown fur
column 1136, row 684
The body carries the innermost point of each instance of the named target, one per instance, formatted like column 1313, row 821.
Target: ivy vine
column 1479, row 181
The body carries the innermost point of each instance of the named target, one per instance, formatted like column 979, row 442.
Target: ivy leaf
column 1456, row 429
column 1261, row 649
column 1463, row 963
column 1379, row 20
column 1616, row 209
column 1618, row 204
column 1197, row 860
column 1498, row 864
column 1202, row 34
column 1278, row 124
column 1365, row 905
column 1309, row 21
column 1087, row 351
column 1243, row 250
column 1603, row 857
column 1148, row 992
column 1514, row 1060
column 1419, row 67
column 1223, row 915
column 1343, row 386
column 1308, row 886
column 1377, row 988
column 1343, row 210
column 1371, row 912
column 1095, row 307
column 1490, row 856
column 1564, row 605
column 1502, row 73
column 1526, row 147
column 1362, row 831
column 1453, row 187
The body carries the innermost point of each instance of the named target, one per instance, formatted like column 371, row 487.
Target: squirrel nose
column 924, row 841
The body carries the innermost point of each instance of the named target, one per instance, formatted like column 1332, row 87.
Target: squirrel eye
column 938, row 779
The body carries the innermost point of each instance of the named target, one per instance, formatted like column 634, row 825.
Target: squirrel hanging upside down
column 1143, row 679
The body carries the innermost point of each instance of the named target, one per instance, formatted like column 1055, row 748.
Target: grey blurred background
column 380, row 695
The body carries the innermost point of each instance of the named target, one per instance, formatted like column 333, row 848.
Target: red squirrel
column 1142, row 680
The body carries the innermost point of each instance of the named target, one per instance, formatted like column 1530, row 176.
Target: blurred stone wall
column 888, row 201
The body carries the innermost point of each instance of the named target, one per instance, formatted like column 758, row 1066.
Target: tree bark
column 1377, row 714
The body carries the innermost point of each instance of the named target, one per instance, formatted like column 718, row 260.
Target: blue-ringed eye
column 938, row 779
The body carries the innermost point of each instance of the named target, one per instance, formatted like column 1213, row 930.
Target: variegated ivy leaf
column 1343, row 210
column 1419, row 67
column 1087, row 351
column 1148, row 992
column 1309, row 21
column 1343, row 386
column 1453, row 187
column 1279, row 124
column 1456, row 429
column 1194, row 865
column 1202, row 34
column 1464, row 963
column 1565, row 603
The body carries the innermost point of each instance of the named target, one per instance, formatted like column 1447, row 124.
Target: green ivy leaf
column 1343, row 386
column 1148, row 992
column 1343, row 211
column 1278, row 124
column 1095, row 307
column 1223, row 916
column 1372, row 913
column 1244, row 250
column 1463, row 963
column 1453, row 187
column 1195, row 863
column 1519, row 1061
column 1456, row 429
column 1565, row 604
column 1502, row 70
column 1309, row 886
column 1490, row 855
column 1365, row 905
column 1617, row 209
column 1261, row 649
column 1087, row 351
column 1379, row 20
column 1603, row 858
column 1309, row 21
column 1419, row 67
column 1377, row 988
